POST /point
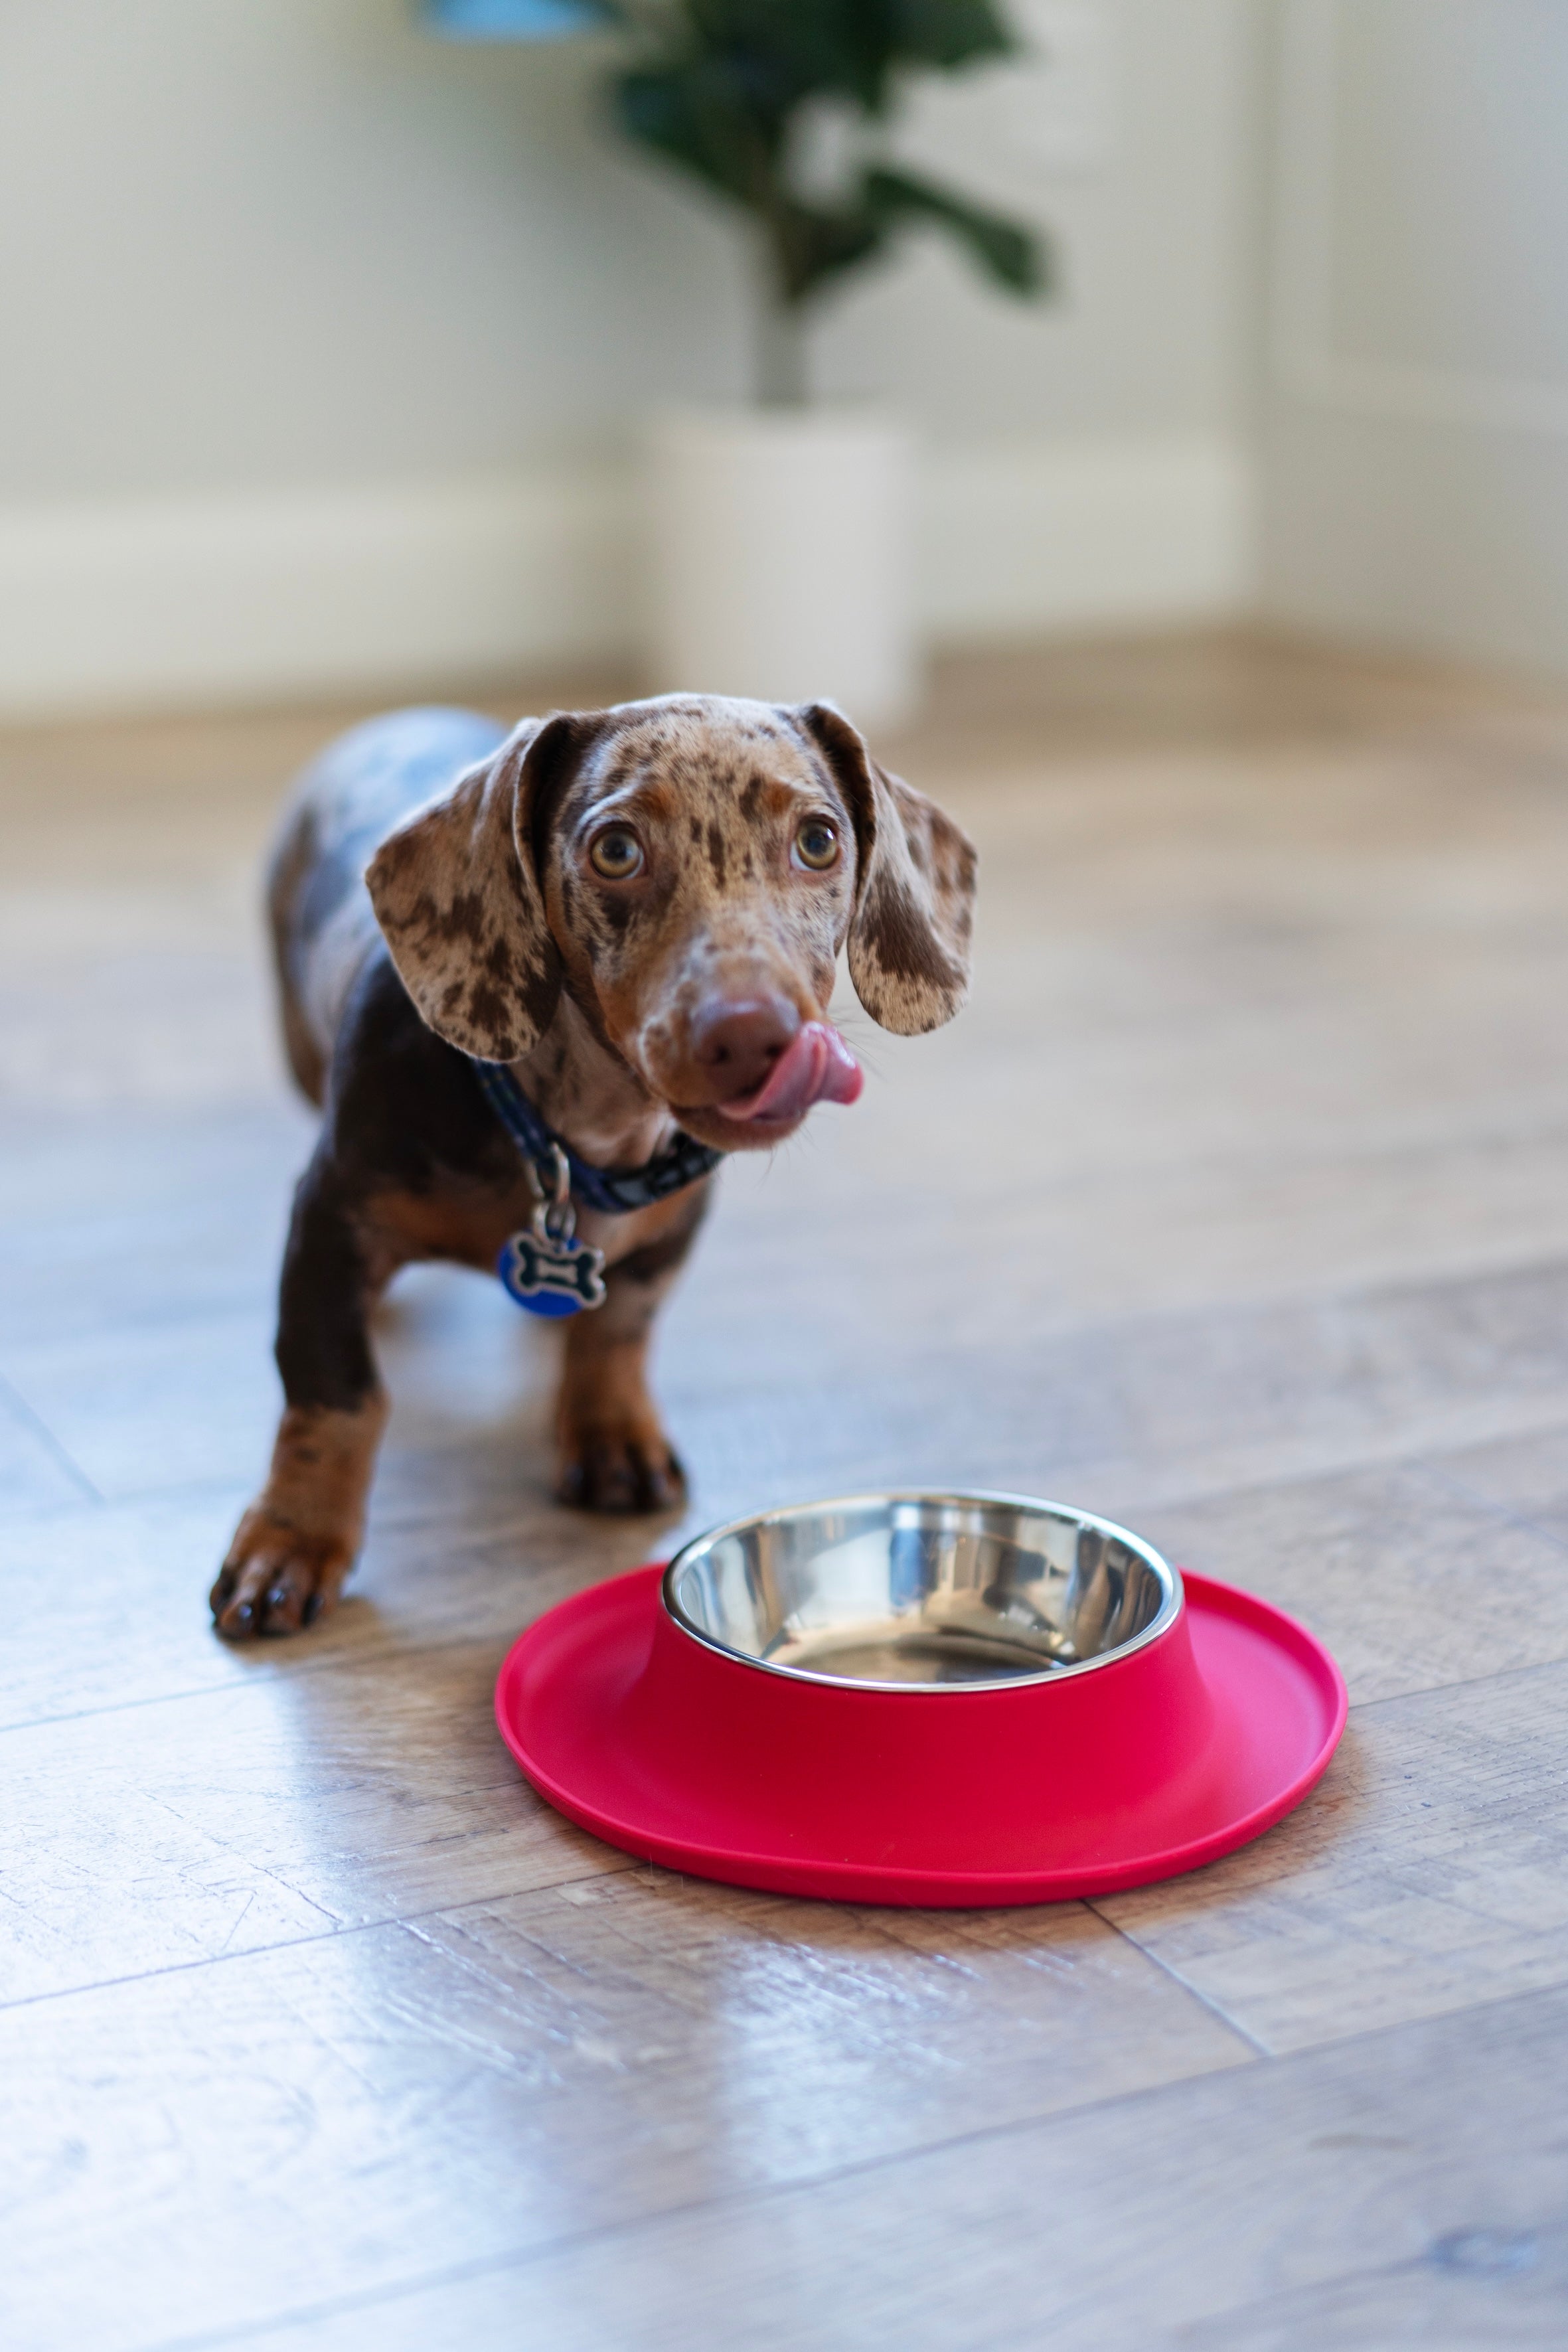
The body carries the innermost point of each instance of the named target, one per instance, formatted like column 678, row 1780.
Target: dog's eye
column 616, row 853
column 816, row 845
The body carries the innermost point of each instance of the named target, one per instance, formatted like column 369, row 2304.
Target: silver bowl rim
column 1168, row 1577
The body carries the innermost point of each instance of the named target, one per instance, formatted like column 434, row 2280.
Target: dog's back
column 342, row 809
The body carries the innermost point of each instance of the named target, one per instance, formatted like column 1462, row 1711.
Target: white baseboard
column 206, row 600
column 1042, row 536
column 150, row 604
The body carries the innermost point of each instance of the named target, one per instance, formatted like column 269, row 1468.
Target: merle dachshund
column 561, row 971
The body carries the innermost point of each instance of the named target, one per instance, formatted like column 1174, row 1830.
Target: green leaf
column 1005, row 250
column 841, row 48
column 797, row 50
column 948, row 33
column 688, row 113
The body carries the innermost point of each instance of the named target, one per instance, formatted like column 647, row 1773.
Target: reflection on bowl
column 923, row 1590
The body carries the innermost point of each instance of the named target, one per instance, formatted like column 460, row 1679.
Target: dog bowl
column 932, row 1698
column 945, row 1592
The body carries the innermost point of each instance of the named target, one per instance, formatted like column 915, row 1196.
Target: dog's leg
column 614, row 1453
column 298, row 1540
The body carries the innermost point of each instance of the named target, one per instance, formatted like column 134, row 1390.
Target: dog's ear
column 456, row 891
column 914, row 887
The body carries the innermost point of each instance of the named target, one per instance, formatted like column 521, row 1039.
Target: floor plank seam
column 285, row 1670
column 1400, row 1452
column 233, row 1492
column 1372, row 2033
column 230, row 1490
column 244, row 1860
column 1203, row 1999
column 1481, row 1501
column 330, row 1934
column 20, row 1410
column 1360, row 1706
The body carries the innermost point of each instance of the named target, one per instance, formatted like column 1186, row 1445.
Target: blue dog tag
column 552, row 1276
column 547, row 1269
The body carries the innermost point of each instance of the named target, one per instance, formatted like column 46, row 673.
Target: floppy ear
column 456, row 893
column 914, row 887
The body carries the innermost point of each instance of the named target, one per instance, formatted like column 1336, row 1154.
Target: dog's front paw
column 278, row 1577
column 621, row 1470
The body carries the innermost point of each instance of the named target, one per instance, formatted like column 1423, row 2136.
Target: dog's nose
column 737, row 1042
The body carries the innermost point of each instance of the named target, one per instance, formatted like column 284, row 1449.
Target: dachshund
column 538, row 984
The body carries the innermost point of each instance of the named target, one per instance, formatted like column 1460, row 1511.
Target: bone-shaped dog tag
column 551, row 1274
column 547, row 1269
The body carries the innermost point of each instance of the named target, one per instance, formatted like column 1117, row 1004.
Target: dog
column 553, row 974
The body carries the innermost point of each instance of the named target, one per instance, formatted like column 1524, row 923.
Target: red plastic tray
column 1148, row 1767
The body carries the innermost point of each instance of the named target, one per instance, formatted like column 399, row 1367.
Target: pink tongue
column 815, row 1067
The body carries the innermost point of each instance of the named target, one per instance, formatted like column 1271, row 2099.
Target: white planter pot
column 779, row 556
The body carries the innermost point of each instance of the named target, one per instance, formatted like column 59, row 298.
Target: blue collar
column 613, row 1191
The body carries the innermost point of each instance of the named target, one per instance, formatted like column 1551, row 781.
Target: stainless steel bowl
column 912, row 1590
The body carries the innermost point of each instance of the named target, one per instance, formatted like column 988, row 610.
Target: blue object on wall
column 514, row 20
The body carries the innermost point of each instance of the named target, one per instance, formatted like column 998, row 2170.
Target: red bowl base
column 1153, row 1766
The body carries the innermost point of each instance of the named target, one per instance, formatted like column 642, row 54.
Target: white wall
column 325, row 344
column 1415, row 479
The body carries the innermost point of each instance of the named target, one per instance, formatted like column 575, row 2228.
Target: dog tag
column 552, row 1276
column 547, row 1269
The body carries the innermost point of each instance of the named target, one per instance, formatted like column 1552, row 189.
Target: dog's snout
column 736, row 1043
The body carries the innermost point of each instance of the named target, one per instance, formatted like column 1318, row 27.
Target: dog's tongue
column 815, row 1067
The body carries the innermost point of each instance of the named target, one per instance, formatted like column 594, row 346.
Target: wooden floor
column 1236, row 1207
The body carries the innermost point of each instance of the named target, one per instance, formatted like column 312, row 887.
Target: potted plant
column 779, row 556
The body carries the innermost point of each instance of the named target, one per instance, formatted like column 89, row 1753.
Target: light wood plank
column 1410, row 1578
column 1478, row 2288
column 36, row 1474
column 339, row 2118
column 1525, row 1475
column 167, row 1404
column 63, row 1166
column 1128, row 1417
column 1118, row 1416
column 1429, row 1873
column 105, row 1604
column 149, row 1836
column 108, row 1225
column 1138, row 2226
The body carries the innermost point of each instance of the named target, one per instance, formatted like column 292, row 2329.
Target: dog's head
column 687, row 869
